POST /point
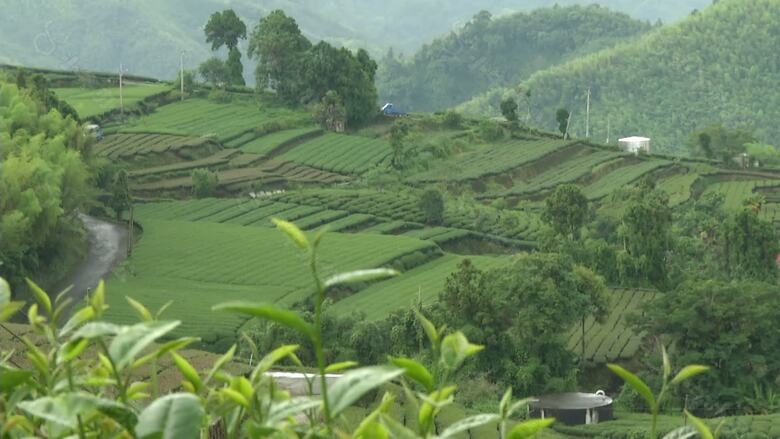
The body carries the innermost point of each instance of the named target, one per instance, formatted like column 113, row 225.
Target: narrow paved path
column 107, row 249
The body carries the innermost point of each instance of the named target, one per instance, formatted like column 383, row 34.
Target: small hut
column 635, row 144
column 573, row 408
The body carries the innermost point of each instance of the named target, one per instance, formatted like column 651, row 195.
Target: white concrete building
column 635, row 144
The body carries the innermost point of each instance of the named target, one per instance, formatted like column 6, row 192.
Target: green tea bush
column 81, row 383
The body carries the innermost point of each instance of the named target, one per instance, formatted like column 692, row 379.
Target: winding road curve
column 107, row 249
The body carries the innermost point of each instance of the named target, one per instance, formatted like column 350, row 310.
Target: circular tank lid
column 571, row 401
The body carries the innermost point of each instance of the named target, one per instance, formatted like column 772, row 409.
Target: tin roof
column 571, row 401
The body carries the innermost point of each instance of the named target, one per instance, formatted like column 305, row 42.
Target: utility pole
column 121, row 100
column 587, row 117
column 608, row 127
column 568, row 124
column 181, row 73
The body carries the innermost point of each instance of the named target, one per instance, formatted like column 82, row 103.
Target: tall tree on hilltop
column 280, row 47
column 225, row 29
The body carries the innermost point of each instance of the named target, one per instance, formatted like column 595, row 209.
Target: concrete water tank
column 573, row 408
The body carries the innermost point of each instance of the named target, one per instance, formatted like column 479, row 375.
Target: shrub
column 432, row 206
column 490, row 131
column 204, row 183
column 452, row 119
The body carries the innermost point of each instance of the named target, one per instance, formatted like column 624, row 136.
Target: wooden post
column 582, row 359
column 130, row 230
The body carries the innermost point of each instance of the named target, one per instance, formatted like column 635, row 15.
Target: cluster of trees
column 489, row 52
column 302, row 73
column 716, row 271
column 44, row 179
column 716, row 65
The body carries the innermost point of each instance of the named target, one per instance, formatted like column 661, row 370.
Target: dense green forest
column 147, row 36
column 44, row 181
column 717, row 66
column 490, row 52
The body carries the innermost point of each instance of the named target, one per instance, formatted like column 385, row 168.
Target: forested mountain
column 148, row 35
column 491, row 52
column 718, row 66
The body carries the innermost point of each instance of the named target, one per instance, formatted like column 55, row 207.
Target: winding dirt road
column 107, row 249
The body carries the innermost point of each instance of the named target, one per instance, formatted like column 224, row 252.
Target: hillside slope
column 719, row 65
column 488, row 52
column 147, row 36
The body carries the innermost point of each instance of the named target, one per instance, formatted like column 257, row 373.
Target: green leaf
column 80, row 317
column 667, row 363
column 10, row 378
column 469, row 423
column 72, row 349
column 396, row 429
column 171, row 417
column 64, row 409
column 98, row 299
column 142, row 312
column 189, row 372
column 162, row 309
column 356, row 383
column 415, row 371
column 9, row 309
column 455, row 348
column 97, row 329
column 429, row 329
column 272, row 358
column 528, row 429
column 338, row 367
column 40, row 296
column 292, row 407
column 131, row 340
column 269, row 312
column 221, row 362
column 293, row 232
column 685, row 432
column 689, row 372
column 701, row 427
column 360, row 276
column 5, row 292
column 236, row 396
column 635, row 382
column 503, row 406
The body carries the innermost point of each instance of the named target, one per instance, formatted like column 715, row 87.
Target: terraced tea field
column 90, row 102
column 340, row 153
column 569, row 171
column 737, row 191
column 270, row 142
column 614, row 339
column 492, row 159
column 199, row 264
column 425, row 282
column 201, row 117
column 139, row 146
column 678, row 187
column 622, row 177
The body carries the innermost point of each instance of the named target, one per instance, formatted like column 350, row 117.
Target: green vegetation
column 340, row 153
column 91, row 102
column 271, row 142
column 487, row 52
column 639, row 87
column 200, row 117
column 44, row 181
column 622, row 177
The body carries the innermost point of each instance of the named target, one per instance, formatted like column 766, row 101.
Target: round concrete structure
column 573, row 408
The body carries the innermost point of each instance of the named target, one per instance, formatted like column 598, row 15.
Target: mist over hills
column 147, row 36
column 717, row 66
